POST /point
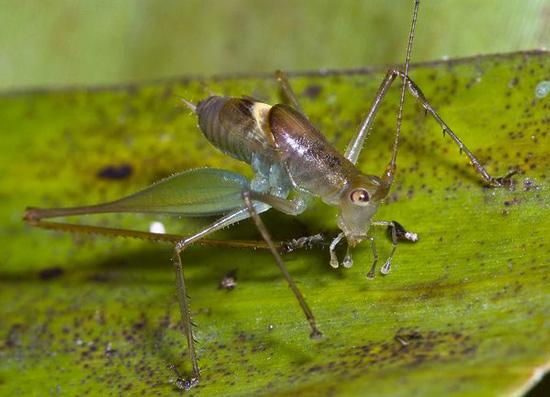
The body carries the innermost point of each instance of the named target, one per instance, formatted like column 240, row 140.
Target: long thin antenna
column 404, row 85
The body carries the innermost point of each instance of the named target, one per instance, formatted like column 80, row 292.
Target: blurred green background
column 67, row 42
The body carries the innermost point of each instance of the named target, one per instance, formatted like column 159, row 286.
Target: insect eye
column 359, row 197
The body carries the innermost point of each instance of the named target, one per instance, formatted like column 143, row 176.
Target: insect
column 292, row 162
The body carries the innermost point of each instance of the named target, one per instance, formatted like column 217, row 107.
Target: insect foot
column 348, row 261
column 186, row 384
column 181, row 383
column 316, row 334
column 504, row 181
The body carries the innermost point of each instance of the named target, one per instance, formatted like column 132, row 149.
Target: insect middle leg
column 356, row 144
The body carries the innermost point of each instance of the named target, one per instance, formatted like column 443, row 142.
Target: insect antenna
column 404, row 85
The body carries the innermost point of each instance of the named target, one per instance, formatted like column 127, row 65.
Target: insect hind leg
column 282, row 79
column 183, row 300
column 356, row 144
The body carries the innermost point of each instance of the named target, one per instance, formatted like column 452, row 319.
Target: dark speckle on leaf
column 121, row 171
column 313, row 91
column 50, row 273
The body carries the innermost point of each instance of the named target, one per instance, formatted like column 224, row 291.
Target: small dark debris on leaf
column 100, row 277
column 50, row 273
column 109, row 350
column 405, row 337
column 509, row 203
column 229, row 280
column 313, row 91
column 115, row 172
column 403, row 342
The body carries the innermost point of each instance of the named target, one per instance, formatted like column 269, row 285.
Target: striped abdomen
column 233, row 125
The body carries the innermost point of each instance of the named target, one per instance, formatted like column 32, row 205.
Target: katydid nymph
column 292, row 163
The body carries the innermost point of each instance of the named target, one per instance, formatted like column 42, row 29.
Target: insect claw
column 372, row 272
column 181, row 383
column 505, row 180
column 334, row 263
column 386, row 268
column 315, row 334
column 348, row 261
column 186, row 384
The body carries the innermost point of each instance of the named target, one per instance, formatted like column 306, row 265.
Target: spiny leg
column 355, row 146
column 183, row 300
column 137, row 234
column 281, row 78
column 315, row 333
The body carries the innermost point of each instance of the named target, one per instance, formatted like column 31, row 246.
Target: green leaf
column 463, row 312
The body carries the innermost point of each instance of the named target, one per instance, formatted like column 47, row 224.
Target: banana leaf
column 463, row 312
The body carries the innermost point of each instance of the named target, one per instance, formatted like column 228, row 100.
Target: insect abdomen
column 233, row 125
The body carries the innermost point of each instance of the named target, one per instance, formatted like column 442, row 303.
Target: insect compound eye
column 359, row 197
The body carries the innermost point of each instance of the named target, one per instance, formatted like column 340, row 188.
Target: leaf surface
column 463, row 312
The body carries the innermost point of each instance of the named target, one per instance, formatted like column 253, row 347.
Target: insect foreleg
column 315, row 333
column 183, row 299
column 333, row 258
